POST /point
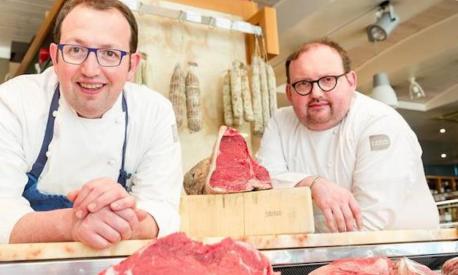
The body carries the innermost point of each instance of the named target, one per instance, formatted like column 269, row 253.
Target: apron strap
column 123, row 175
column 40, row 162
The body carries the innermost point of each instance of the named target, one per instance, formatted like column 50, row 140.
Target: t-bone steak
column 405, row 266
column 450, row 267
column 177, row 254
column 232, row 168
column 358, row 266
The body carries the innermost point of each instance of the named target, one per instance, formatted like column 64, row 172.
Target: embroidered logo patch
column 379, row 142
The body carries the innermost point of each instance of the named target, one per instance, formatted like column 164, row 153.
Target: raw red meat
column 177, row 254
column 358, row 266
column 450, row 267
column 232, row 168
column 405, row 266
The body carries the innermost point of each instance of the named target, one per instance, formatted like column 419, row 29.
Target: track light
column 386, row 22
column 383, row 91
column 415, row 90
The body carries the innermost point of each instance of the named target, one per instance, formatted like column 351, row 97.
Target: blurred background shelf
column 445, row 193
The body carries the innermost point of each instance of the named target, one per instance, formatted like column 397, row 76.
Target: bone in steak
column 232, row 168
column 358, row 266
column 405, row 266
column 177, row 254
column 450, row 267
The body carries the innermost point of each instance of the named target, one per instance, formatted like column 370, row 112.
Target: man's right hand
column 105, row 227
column 99, row 193
column 340, row 209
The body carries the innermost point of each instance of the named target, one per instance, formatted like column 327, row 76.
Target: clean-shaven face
column 320, row 110
column 90, row 88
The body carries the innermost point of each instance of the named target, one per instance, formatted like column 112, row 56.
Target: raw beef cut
column 450, row 267
column 405, row 266
column 358, row 266
column 177, row 254
column 232, row 168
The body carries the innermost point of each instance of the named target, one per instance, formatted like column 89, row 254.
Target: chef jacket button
column 118, row 121
column 111, row 162
column 48, row 154
column 54, row 113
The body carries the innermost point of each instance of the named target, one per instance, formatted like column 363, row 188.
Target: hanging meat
column 246, row 94
column 177, row 95
column 272, row 87
column 258, row 125
column 265, row 97
column 236, row 93
column 227, row 100
column 193, row 99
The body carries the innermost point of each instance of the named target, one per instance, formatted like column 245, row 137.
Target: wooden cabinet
column 445, row 192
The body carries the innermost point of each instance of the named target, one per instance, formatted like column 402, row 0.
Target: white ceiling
column 424, row 45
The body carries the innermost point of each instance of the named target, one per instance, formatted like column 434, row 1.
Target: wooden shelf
column 439, row 183
column 445, row 193
column 40, row 37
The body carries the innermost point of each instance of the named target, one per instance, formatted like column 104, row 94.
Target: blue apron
column 44, row 202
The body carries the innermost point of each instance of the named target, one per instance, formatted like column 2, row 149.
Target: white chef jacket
column 372, row 152
column 84, row 149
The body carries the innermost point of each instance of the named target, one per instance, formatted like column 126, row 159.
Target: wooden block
column 278, row 211
column 212, row 215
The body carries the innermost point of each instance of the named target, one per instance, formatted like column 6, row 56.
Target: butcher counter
column 290, row 254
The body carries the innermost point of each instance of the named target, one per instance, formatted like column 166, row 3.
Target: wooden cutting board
column 68, row 250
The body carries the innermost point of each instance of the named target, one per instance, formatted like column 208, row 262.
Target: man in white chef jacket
column 359, row 156
column 85, row 155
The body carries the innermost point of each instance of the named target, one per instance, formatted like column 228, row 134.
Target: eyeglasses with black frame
column 76, row 55
column 326, row 84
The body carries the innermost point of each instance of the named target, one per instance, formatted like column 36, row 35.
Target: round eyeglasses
column 326, row 83
column 76, row 55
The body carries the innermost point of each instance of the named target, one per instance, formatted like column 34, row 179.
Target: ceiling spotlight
column 383, row 91
column 415, row 90
column 443, row 155
column 386, row 22
column 442, row 130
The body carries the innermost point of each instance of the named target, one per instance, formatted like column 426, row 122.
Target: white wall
column 168, row 42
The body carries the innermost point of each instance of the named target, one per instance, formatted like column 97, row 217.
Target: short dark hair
column 99, row 5
column 346, row 63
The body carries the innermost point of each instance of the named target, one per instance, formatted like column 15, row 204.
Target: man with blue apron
column 45, row 202
column 64, row 134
